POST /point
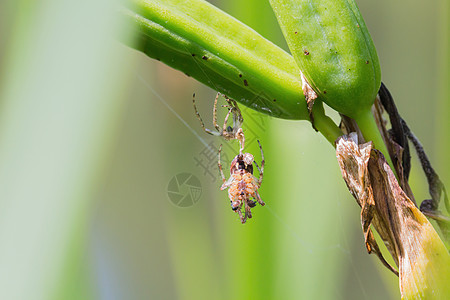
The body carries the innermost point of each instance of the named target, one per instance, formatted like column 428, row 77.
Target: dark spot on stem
column 240, row 75
column 193, row 54
column 274, row 100
column 324, row 91
column 296, row 32
column 245, row 82
column 367, row 62
column 205, row 57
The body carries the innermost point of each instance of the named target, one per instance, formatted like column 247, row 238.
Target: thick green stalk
column 325, row 125
column 369, row 128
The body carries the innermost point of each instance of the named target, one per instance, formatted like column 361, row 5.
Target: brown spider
column 227, row 132
column 242, row 184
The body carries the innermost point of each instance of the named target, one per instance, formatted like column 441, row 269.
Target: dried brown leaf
column 420, row 255
column 310, row 97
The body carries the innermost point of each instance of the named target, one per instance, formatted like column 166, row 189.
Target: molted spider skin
column 229, row 133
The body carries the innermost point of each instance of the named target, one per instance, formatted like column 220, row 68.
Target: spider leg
column 227, row 183
column 229, row 103
column 237, row 123
column 215, row 113
column 224, row 132
column 258, row 198
column 232, row 110
column 237, row 114
column 261, row 171
column 201, row 121
column 248, row 212
column 239, row 211
column 224, row 180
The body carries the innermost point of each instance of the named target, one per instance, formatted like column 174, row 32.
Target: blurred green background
column 92, row 133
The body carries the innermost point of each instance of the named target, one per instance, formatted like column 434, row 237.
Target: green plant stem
column 325, row 125
column 369, row 128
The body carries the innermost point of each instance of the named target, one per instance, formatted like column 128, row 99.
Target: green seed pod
column 204, row 42
column 334, row 51
column 336, row 55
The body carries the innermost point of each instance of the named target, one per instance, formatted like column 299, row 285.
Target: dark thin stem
column 436, row 187
column 397, row 131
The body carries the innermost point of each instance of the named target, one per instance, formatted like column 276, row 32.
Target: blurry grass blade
column 422, row 258
column 442, row 126
column 200, row 40
column 60, row 107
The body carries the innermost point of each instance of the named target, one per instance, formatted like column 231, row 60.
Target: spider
column 227, row 132
column 242, row 184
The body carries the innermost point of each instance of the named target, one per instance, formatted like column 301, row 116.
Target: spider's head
column 248, row 159
column 243, row 162
column 229, row 129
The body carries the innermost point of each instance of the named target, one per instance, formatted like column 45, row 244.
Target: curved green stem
column 325, row 125
column 369, row 128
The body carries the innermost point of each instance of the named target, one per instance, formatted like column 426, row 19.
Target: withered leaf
column 420, row 255
column 310, row 97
